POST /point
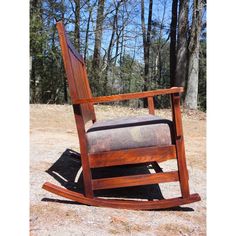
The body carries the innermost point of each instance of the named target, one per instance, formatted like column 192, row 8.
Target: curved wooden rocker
column 121, row 204
column 124, row 141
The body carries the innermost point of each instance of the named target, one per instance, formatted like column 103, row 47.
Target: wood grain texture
column 76, row 74
column 121, row 204
column 128, row 96
column 79, row 88
column 132, row 156
column 179, row 141
column 135, row 180
column 151, row 106
column 83, row 101
column 87, row 176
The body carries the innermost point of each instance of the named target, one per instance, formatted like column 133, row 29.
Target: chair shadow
column 67, row 170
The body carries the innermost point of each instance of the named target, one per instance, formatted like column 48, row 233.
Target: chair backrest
column 76, row 74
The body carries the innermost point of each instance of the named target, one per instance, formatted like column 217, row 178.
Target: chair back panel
column 76, row 74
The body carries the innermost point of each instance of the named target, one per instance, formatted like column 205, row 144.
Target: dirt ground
column 52, row 131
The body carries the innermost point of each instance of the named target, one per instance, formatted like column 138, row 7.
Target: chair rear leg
column 87, row 177
column 179, row 143
column 182, row 167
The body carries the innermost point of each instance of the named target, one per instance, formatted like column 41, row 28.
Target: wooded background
column 128, row 46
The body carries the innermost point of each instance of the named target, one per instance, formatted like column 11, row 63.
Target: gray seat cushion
column 129, row 132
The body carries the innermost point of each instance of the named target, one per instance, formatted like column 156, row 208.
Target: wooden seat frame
column 83, row 101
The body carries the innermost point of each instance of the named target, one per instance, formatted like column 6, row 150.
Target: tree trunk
column 173, row 26
column 182, row 46
column 146, row 44
column 33, row 7
column 122, row 46
column 111, row 44
column 36, row 48
column 87, row 30
column 77, row 25
column 32, row 82
column 97, row 45
column 194, row 47
column 149, row 42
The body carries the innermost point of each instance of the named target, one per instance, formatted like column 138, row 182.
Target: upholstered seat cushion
column 129, row 132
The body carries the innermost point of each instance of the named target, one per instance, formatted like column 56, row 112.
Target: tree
column 173, row 26
column 37, row 41
column 146, row 44
column 111, row 44
column 182, row 45
column 90, row 10
column 76, row 11
column 202, row 76
column 194, row 48
column 97, row 46
column 121, row 54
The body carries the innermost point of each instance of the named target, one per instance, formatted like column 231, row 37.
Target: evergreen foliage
column 121, row 62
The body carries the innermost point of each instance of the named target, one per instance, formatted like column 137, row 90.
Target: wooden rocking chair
column 124, row 141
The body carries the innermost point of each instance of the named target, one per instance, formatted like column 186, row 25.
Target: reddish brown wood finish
column 179, row 140
column 121, row 204
column 151, row 106
column 84, row 111
column 79, row 88
column 135, row 180
column 132, row 156
column 83, row 151
column 128, row 96
column 76, row 74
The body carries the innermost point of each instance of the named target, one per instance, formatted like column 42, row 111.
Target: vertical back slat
column 76, row 74
column 66, row 60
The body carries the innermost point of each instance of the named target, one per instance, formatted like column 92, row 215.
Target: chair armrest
column 128, row 96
